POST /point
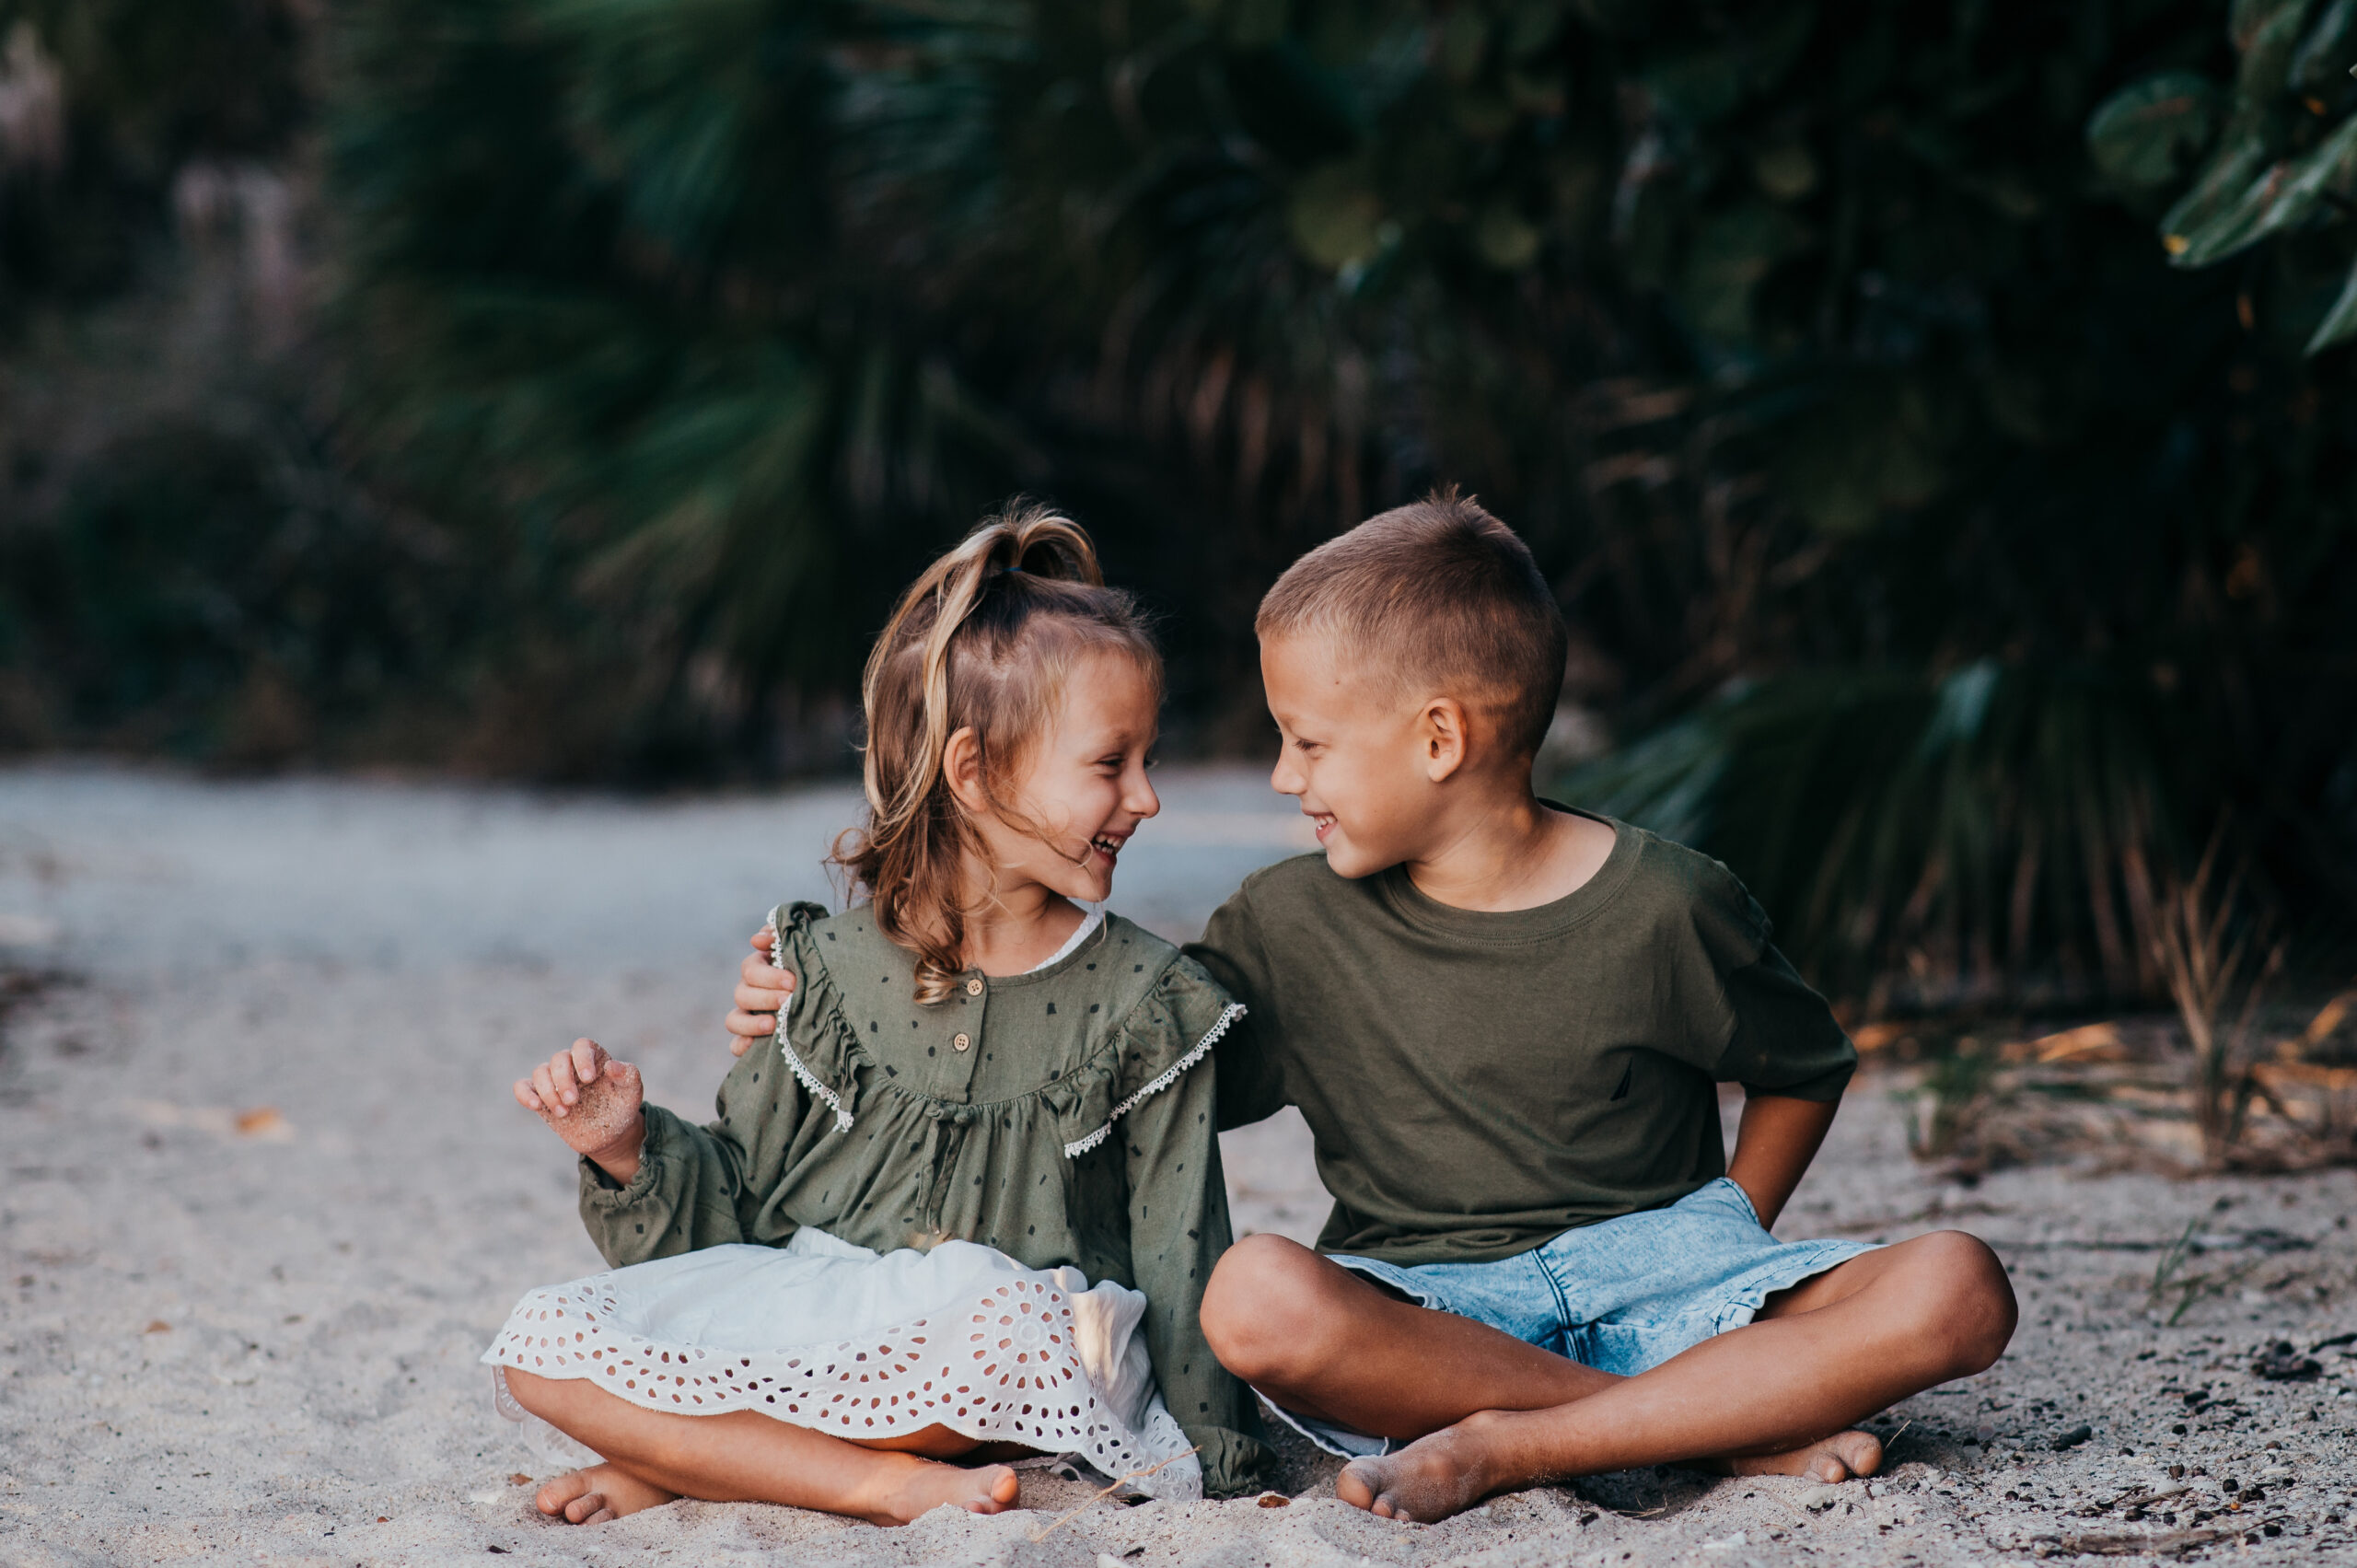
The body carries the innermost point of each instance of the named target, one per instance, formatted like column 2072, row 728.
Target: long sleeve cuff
column 602, row 1192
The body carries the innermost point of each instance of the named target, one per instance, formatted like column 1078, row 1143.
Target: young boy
column 1503, row 1021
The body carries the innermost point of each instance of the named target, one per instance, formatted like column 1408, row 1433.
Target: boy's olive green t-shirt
column 1477, row 1082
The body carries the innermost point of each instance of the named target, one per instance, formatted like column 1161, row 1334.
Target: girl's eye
column 1153, row 761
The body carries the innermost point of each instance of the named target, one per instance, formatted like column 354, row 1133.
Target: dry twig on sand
column 1119, row 1483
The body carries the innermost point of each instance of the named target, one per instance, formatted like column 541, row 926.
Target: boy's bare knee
column 1966, row 1305
column 1261, row 1311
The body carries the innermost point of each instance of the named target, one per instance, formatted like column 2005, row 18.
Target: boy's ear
column 1441, row 731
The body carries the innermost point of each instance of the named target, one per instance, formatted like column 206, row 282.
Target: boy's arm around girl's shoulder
column 706, row 1185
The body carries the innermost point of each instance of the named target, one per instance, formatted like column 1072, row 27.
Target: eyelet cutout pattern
column 1003, row 1368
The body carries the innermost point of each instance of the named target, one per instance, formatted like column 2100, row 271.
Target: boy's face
column 1354, row 750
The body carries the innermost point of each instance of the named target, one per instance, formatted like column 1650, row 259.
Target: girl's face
column 1084, row 788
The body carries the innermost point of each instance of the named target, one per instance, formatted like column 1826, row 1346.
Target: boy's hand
column 761, row 992
column 592, row 1102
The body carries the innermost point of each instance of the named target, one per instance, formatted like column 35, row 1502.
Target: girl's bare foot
column 1458, row 1466
column 596, row 1494
column 911, row 1488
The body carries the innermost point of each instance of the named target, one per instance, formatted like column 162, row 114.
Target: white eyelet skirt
column 859, row 1344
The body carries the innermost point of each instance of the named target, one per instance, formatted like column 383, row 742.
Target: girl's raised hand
column 591, row 1101
column 762, row 991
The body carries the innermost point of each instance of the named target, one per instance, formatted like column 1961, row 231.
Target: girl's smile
column 1079, row 794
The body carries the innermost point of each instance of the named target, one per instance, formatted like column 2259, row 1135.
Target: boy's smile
column 1394, row 777
column 1349, row 752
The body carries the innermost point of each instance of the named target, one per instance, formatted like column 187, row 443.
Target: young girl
column 962, row 1203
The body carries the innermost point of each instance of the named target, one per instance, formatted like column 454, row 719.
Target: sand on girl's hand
column 603, row 1113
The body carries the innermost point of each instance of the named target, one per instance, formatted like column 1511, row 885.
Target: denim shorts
column 1622, row 1295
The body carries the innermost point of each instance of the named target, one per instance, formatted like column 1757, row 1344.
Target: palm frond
column 1994, row 835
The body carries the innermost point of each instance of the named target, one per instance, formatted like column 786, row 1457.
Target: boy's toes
column 1858, row 1453
column 589, row 1508
column 1833, row 1461
column 1844, row 1455
column 1367, row 1484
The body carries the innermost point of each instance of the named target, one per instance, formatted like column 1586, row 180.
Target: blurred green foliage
column 2278, row 148
column 1955, row 561
column 2105, row 503
column 105, row 101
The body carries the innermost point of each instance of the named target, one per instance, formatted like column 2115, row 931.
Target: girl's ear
column 961, row 768
column 1444, row 741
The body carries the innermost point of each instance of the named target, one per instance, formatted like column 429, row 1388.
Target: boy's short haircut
column 1439, row 593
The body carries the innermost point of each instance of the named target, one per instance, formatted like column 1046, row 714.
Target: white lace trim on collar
column 785, row 1042
column 1229, row 1014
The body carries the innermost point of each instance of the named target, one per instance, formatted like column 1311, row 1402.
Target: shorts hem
column 1747, row 1296
column 1395, row 1276
column 1326, row 1437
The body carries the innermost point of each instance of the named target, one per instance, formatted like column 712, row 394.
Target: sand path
column 263, row 1198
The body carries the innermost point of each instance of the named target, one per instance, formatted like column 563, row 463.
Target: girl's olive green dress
column 1063, row 1117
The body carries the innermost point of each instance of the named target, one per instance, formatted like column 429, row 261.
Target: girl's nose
column 1142, row 801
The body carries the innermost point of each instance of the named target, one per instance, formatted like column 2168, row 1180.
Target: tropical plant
column 2075, row 510
column 1990, row 834
column 1956, row 559
column 1810, row 344
column 2273, row 153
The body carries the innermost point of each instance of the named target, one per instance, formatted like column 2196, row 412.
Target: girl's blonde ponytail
column 983, row 640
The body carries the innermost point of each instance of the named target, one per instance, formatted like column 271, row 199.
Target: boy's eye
column 1153, row 761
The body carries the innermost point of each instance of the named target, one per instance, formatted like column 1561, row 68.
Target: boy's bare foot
column 1431, row 1478
column 1839, row 1457
column 914, row 1488
column 1455, row 1467
column 596, row 1494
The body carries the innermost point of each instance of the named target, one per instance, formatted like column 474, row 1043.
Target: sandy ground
column 266, row 1200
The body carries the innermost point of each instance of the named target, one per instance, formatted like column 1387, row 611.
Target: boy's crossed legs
column 1490, row 1413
